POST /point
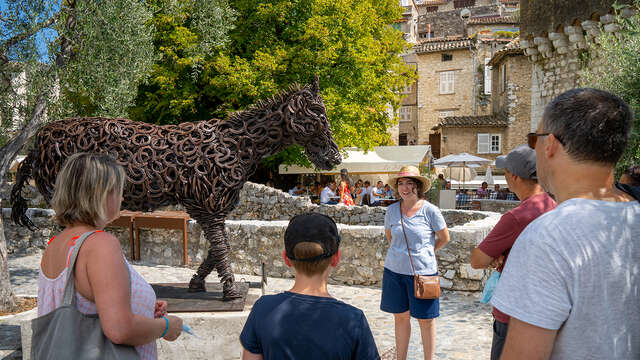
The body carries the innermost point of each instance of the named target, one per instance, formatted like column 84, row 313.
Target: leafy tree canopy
column 349, row 44
column 617, row 69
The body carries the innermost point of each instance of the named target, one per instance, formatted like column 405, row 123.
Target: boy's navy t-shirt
column 296, row 326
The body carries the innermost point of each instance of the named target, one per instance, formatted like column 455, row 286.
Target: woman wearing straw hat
column 426, row 232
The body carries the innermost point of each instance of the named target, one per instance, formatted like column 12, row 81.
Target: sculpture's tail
column 19, row 204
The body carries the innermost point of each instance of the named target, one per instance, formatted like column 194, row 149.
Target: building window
column 402, row 139
column 459, row 4
column 397, row 26
column 404, row 113
column 447, row 80
column 447, row 57
column 489, row 143
column 430, row 9
column 426, row 35
column 444, row 114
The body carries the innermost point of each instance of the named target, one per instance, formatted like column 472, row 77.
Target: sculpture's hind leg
column 218, row 257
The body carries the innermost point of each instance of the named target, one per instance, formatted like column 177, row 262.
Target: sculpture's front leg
column 217, row 256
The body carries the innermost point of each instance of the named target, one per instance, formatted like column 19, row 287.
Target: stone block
column 445, row 284
column 450, row 274
column 467, row 272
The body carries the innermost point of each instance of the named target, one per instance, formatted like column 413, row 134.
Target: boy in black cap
column 306, row 322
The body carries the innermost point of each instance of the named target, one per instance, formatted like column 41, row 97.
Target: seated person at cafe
column 388, row 193
column 366, row 194
column 328, row 193
column 297, row 190
column 377, row 193
column 483, row 192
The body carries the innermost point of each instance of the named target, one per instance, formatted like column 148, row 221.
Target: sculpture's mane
column 266, row 105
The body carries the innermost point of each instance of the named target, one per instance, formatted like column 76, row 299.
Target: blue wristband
column 166, row 327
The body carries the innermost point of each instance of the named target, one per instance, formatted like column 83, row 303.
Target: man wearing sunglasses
column 572, row 279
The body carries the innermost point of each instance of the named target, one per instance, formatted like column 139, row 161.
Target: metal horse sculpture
column 201, row 165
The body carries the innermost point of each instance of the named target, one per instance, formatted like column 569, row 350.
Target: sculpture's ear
column 316, row 84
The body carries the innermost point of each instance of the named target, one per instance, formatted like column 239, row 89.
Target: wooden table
column 162, row 220
column 126, row 220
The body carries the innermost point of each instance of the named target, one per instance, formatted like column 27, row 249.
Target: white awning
column 381, row 160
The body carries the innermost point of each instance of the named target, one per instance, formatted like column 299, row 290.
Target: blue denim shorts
column 398, row 297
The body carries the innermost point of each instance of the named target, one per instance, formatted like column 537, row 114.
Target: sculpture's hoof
column 230, row 291
column 196, row 285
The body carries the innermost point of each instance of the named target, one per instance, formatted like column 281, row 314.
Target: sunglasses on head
column 532, row 139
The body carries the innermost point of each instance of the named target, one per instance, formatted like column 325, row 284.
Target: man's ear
column 552, row 146
column 285, row 258
column 335, row 259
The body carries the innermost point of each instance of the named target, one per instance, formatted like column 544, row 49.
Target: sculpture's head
column 307, row 123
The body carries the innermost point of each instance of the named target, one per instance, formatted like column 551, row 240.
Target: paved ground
column 464, row 325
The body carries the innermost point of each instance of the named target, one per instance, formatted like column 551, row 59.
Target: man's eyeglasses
column 532, row 139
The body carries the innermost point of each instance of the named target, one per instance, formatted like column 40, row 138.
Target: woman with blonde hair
column 87, row 197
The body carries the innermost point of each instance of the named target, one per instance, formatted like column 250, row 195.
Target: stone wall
column 259, row 202
column 363, row 247
column 448, row 22
column 499, row 206
column 556, row 56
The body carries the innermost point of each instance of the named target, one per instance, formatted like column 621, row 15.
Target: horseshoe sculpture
column 200, row 165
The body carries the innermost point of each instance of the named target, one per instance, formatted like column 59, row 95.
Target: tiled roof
column 431, row 2
column 512, row 48
column 492, row 19
column 515, row 2
column 436, row 45
column 474, row 121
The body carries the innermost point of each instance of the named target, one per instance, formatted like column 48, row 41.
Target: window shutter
column 447, row 79
column 487, row 77
column 443, row 83
column 483, row 143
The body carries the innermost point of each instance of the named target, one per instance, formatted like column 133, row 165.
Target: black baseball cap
column 312, row 227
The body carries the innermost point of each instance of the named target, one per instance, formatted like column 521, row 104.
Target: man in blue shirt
column 306, row 322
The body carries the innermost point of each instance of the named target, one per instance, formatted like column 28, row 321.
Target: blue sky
column 42, row 38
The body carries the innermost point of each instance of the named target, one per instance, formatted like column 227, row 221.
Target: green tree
column 349, row 44
column 188, row 35
column 60, row 58
column 618, row 70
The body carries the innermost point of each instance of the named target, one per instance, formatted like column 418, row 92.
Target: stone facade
column 447, row 21
column 431, row 104
column 460, row 140
column 511, row 95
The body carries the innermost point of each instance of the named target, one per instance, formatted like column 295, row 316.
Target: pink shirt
column 504, row 234
column 143, row 301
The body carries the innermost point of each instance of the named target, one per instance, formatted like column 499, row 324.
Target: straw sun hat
column 410, row 172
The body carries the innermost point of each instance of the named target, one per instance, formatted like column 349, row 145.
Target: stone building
column 506, row 127
column 555, row 36
column 455, row 42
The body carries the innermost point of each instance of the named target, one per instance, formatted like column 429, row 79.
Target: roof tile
column 499, row 120
column 443, row 45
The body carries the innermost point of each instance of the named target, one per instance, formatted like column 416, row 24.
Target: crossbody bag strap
column 405, row 238
column 70, row 287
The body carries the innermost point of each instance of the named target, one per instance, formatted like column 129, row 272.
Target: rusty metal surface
column 200, row 165
column 179, row 299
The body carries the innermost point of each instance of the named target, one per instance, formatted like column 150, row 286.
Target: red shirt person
column 520, row 172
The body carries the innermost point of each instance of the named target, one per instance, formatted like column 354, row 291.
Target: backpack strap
column 634, row 191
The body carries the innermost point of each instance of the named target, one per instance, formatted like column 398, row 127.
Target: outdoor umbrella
column 488, row 177
column 462, row 160
column 459, row 173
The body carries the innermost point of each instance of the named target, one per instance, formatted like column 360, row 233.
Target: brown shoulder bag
column 424, row 287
